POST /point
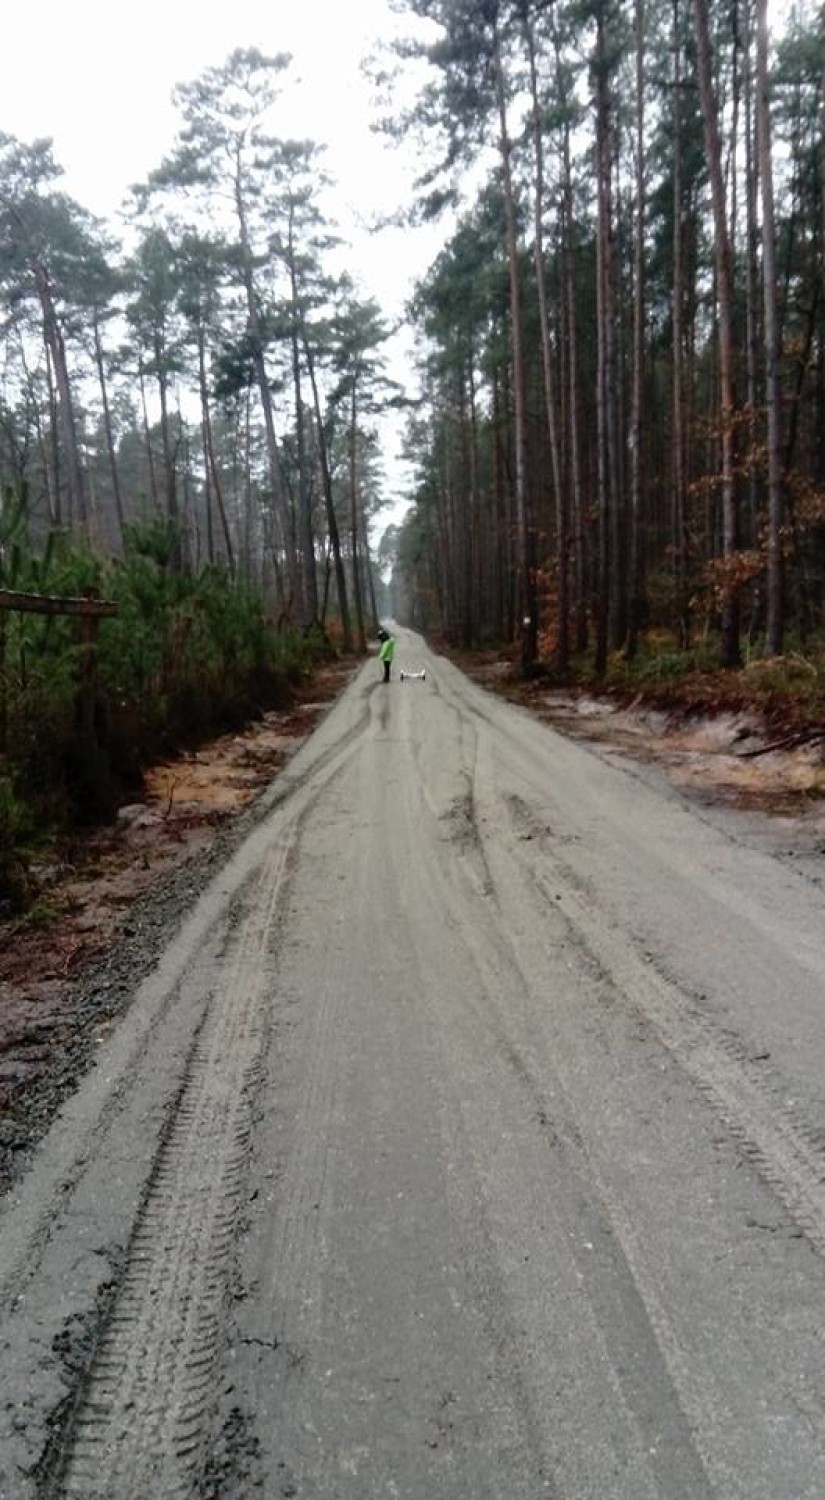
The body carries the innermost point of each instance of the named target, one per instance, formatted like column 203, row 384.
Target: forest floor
column 713, row 739
column 67, row 968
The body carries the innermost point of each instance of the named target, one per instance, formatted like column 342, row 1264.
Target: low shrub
column 186, row 656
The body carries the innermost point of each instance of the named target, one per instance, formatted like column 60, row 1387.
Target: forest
column 615, row 407
column 621, row 445
column 187, row 432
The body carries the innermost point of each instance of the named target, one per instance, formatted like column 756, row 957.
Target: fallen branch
column 787, row 742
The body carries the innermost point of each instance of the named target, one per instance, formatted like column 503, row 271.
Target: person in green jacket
column 387, row 652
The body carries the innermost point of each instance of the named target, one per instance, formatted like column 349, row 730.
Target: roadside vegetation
column 782, row 698
column 786, row 691
column 186, row 656
column 187, row 429
column 620, row 454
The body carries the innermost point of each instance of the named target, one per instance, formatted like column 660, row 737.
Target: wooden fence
column 88, row 611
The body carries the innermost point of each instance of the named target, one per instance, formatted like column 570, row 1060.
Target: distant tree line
column 622, row 346
column 207, row 367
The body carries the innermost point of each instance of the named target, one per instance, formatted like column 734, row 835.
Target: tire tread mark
column 786, row 1150
column 141, row 1428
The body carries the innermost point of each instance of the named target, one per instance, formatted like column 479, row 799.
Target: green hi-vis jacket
column 387, row 651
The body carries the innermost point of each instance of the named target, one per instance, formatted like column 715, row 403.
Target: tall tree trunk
column 503, row 538
column 309, row 580
column 617, row 562
column 147, row 437
column 365, row 543
column 207, row 494
column 465, row 504
column 724, row 291
column 563, row 631
column 276, row 480
column 528, row 593
column 353, row 518
column 774, row 630
column 820, row 456
column 107, row 423
column 679, row 504
column 53, row 336
column 636, row 423
column 573, row 465
column 329, row 503
column 50, row 479
column 170, row 467
column 247, row 487
column 482, row 599
column 751, row 298
column 579, row 569
column 603, row 169
column 214, row 488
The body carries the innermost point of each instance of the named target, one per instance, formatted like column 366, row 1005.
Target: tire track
column 781, row 1144
column 640, row 1359
column 141, row 1428
column 29, row 1231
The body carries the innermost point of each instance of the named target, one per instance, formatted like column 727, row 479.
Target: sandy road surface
column 466, row 1142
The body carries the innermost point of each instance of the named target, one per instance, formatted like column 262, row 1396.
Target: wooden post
column 87, row 633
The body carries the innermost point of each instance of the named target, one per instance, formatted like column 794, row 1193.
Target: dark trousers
column 386, row 671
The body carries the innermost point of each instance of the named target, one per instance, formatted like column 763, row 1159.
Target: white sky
column 97, row 77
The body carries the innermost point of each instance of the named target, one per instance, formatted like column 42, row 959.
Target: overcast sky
column 97, row 77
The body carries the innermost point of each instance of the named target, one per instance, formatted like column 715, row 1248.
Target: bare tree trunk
column 563, row 633
column 207, row 493
column 528, row 594
column 309, row 581
column 107, row 423
column 603, row 168
column 503, row 536
column 214, row 488
column 353, row 517
column 150, row 457
column 636, row 423
column 617, row 551
column 751, row 297
column 170, row 467
column 679, row 506
column 774, row 631
column 189, row 520
column 205, row 442
column 482, row 598
column 568, row 272
column 365, row 540
column 53, row 336
column 579, row 571
column 820, row 457
column 51, row 480
column 724, row 290
column 54, row 441
column 329, row 504
column 247, row 485
column 276, row 480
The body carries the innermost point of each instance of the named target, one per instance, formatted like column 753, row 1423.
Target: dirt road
column 466, row 1142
